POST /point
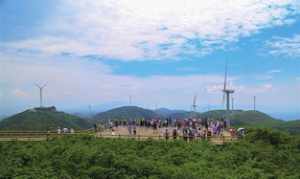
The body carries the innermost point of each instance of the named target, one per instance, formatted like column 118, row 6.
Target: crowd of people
column 188, row 129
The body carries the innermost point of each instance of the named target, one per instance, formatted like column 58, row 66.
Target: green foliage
column 268, row 136
column 42, row 120
column 262, row 154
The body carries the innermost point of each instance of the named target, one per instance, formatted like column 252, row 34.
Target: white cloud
column 135, row 29
column 75, row 83
column 284, row 46
column 273, row 71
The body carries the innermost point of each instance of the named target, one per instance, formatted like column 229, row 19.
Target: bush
column 262, row 154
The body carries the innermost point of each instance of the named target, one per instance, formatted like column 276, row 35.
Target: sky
column 161, row 53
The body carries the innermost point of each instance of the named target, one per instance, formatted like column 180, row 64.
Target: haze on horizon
column 161, row 52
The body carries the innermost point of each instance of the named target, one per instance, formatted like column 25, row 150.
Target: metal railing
column 42, row 135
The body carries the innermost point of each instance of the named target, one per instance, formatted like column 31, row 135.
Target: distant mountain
column 184, row 115
column 126, row 113
column 42, row 119
column 290, row 126
column 165, row 112
column 2, row 117
column 215, row 114
column 286, row 116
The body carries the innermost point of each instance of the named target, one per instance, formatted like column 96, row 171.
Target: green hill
column 240, row 118
column 184, row 115
column 42, row 119
column 217, row 114
column 253, row 119
column 290, row 126
column 126, row 113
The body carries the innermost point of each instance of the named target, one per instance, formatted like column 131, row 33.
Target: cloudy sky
column 160, row 52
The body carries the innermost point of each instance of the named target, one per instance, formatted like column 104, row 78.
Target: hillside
column 41, row 119
column 290, row 126
column 126, row 113
column 217, row 114
column 184, row 115
column 253, row 119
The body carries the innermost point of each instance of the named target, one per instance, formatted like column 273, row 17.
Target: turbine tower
column 130, row 100
column 226, row 91
column 194, row 105
column 41, row 87
column 254, row 103
column 232, row 103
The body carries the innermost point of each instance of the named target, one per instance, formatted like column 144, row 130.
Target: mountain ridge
column 41, row 119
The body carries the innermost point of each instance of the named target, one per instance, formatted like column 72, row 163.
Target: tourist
column 167, row 134
column 134, row 130
column 175, row 133
column 185, row 134
column 129, row 129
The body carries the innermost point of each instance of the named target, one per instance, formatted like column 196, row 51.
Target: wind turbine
column 194, row 105
column 254, row 103
column 41, row 87
column 130, row 100
column 232, row 103
column 226, row 91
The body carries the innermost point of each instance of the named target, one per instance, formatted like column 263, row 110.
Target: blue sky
column 161, row 53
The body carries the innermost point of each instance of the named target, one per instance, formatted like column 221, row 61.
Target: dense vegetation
column 262, row 154
column 40, row 119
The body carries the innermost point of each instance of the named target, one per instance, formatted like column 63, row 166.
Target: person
column 110, row 125
column 185, row 134
column 167, row 134
column 58, row 130
column 232, row 132
column 205, row 123
column 113, row 131
column 225, row 123
column 190, row 134
column 134, row 130
column 228, row 123
column 129, row 129
column 175, row 133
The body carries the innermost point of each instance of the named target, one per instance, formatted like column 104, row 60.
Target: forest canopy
column 261, row 154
